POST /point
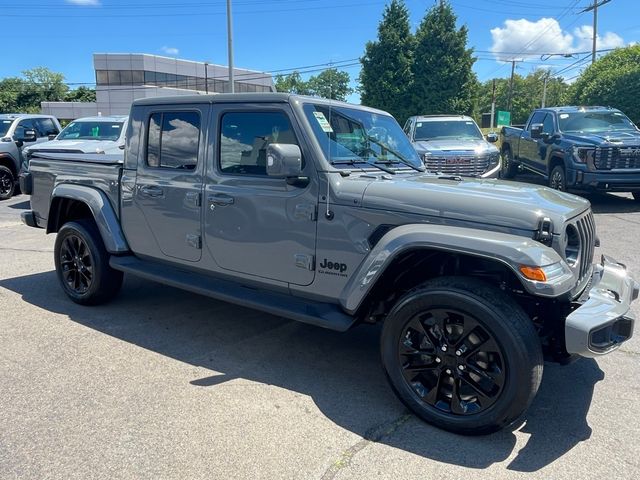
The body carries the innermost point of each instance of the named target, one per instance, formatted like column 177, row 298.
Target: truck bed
column 48, row 170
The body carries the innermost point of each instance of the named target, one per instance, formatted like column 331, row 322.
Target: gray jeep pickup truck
column 321, row 212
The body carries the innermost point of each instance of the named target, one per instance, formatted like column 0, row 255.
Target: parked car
column 577, row 148
column 291, row 205
column 454, row 145
column 16, row 130
column 104, row 135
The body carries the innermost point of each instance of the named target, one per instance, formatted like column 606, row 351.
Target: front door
column 255, row 224
column 166, row 207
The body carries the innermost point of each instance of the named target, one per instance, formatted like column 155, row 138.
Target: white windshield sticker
column 322, row 121
column 564, row 115
column 469, row 123
column 419, row 124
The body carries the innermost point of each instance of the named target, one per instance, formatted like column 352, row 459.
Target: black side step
column 324, row 315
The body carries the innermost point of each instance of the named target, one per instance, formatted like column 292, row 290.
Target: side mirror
column 492, row 137
column 536, row 131
column 27, row 136
column 284, row 160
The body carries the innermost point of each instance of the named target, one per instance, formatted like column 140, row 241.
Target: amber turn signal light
column 533, row 273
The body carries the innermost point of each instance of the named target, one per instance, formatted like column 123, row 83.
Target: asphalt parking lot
column 162, row 383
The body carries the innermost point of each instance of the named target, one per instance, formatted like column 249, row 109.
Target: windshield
column 91, row 131
column 5, row 125
column 581, row 122
column 440, row 129
column 350, row 134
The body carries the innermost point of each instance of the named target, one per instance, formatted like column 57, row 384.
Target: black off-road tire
column 509, row 167
column 82, row 264
column 558, row 178
column 7, row 183
column 513, row 354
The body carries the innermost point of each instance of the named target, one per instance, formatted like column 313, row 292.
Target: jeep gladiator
column 291, row 205
column 576, row 148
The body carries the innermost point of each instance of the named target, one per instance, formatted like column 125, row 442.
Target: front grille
column 586, row 227
column 617, row 158
column 465, row 164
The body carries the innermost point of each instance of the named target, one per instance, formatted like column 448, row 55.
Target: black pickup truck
column 576, row 148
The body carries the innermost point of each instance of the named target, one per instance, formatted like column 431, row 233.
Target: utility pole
column 513, row 70
column 594, row 7
column 230, row 46
column 544, row 90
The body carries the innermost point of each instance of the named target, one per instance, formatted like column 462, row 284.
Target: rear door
column 163, row 211
column 528, row 147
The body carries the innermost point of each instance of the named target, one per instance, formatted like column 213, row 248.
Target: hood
column 485, row 202
column 478, row 145
column 607, row 139
column 79, row 146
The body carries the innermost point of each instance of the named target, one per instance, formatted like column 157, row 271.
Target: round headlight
column 572, row 245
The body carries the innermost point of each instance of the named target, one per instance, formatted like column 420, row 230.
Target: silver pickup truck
column 454, row 145
column 322, row 212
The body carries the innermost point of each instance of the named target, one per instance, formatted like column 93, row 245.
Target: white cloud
column 93, row 3
column 170, row 50
column 521, row 39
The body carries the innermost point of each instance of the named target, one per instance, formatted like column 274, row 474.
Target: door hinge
column 306, row 211
column 305, row 261
column 194, row 198
column 194, row 240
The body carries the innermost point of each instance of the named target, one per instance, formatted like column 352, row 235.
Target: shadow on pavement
column 21, row 206
column 339, row 371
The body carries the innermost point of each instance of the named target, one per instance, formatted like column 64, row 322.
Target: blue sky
column 273, row 35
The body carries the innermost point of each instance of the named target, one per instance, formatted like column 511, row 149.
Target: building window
column 126, row 77
column 114, row 77
column 102, row 77
column 173, row 140
column 244, row 138
column 150, row 78
column 137, row 77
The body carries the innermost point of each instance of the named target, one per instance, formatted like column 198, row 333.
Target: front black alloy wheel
column 557, row 179
column 509, row 167
column 462, row 355
column 82, row 264
column 452, row 361
column 7, row 183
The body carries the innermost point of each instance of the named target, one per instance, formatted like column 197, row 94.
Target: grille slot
column 617, row 158
column 586, row 228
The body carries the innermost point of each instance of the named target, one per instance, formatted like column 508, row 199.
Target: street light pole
column 230, row 46
column 206, row 78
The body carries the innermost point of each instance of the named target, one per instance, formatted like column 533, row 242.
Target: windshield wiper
column 400, row 159
column 354, row 161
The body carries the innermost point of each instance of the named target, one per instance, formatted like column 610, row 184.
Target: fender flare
column 101, row 209
column 510, row 250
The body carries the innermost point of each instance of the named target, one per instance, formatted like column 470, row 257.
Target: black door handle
column 220, row 199
column 151, row 191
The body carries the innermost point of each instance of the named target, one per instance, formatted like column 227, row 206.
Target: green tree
column 527, row 94
column 25, row 94
column 330, row 83
column 291, row 83
column 613, row 80
column 46, row 85
column 11, row 89
column 81, row 94
column 386, row 78
column 443, row 79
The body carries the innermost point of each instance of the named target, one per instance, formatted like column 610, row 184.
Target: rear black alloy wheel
column 509, row 167
column 82, row 264
column 7, row 183
column 77, row 264
column 451, row 361
column 462, row 355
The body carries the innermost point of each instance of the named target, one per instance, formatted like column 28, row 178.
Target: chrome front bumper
column 605, row 320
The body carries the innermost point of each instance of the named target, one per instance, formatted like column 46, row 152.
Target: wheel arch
column 554, row 160
column 8, row 161
column 410, row 253
column 74, row 202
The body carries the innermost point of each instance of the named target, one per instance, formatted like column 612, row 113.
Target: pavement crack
column 373, row 435
column 26, row 250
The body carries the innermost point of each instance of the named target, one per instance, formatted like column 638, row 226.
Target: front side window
column 244, row 138
column 173, row 140
column 46, row 127
column 537, row 118
column 92, row 130
column 547, row 125
column 23, row 126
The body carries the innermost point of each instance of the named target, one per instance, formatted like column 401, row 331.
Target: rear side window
column 244, row 138
column 173, row 139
